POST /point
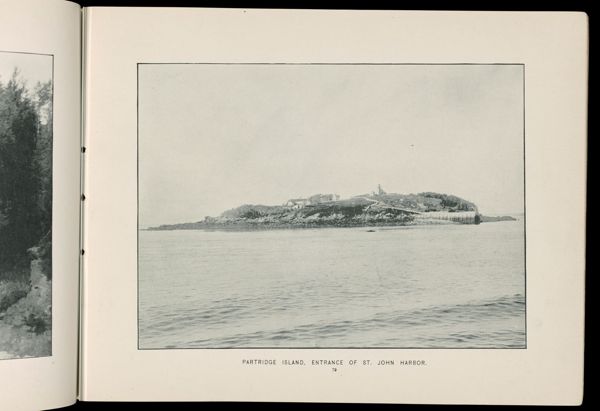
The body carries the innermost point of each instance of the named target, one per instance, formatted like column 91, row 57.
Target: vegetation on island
column 25, row 218
column 374, row 209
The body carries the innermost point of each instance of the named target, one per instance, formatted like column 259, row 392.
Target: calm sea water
column 450, row 286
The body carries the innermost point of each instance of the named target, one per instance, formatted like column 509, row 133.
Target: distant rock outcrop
column 492, row 219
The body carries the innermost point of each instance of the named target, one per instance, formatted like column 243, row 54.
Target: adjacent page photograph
column 25, row 205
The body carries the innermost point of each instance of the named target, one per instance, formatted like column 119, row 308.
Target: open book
column 291, row 205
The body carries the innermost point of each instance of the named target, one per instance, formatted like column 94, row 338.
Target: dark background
column 507, row 5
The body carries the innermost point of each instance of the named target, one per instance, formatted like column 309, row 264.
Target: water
column 450, row 286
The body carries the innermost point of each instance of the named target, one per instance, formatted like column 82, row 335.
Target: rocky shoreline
column 26, row 316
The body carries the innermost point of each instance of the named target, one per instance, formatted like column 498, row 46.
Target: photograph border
column 326, row 64
column 51, row 55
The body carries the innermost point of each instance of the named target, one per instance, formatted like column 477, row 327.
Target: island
column 374, row 209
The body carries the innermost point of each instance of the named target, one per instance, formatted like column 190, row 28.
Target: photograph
column 327, row 205
column 26, row 91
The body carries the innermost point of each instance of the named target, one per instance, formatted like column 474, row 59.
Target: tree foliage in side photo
column 25, row 177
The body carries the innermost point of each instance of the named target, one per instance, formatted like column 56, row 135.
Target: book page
column 39, row 203
column 334, row 206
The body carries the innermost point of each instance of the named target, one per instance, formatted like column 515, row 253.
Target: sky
column 32, row 67
column 213, row 137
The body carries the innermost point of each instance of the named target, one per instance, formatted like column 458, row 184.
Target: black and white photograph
column 335, row 205
column 25, row 204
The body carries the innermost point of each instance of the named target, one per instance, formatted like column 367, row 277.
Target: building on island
column 296, row 202
column 322, row 198
column 312, row 200
column 380, row 191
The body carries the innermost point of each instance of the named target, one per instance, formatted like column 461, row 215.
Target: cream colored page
column 549, row 48
column 38, row 351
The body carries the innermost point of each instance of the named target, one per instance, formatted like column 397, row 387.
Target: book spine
column 83, row 189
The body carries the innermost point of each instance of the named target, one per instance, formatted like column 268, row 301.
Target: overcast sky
column 212, row 137
column 32, row 67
